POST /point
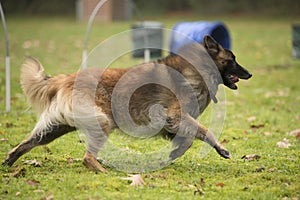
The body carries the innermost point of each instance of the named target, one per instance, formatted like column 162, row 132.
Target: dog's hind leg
column 95, row 140
column 40, row 135
column 97, row 134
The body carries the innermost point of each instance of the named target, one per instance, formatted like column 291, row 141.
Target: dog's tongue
column 234, row 79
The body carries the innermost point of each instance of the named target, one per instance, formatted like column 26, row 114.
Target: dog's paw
column 8, row 162
column 223, row 152
column 92, row 163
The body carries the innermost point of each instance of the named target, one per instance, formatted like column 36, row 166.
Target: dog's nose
column 250, row 75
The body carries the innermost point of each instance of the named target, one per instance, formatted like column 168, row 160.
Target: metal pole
column 7, row 60
column 90, row 22
column 91, row 19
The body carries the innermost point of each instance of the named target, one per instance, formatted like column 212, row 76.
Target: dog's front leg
column 186, row 130
column 41, row 135
column 207, row 136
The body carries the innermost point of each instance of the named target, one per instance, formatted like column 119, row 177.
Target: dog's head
column 229, row 69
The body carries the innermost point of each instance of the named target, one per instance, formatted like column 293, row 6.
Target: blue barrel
column 187, row 32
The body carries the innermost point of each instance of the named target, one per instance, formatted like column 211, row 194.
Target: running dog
column 166, row 95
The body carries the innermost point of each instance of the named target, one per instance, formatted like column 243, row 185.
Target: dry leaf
column 224, row 141
column 38, row 191
column 293, row 198
column 285, row 143
column 298, row 136
column 8, row 125
column 260, row 169
column 220, row 184
column 69, row 160
column 198, row 191
column 3, row 139
column 202, row 183
column 50, row 196
column 295, row 132
column 34, row 162
column 19, row 172
column 251, row 157
column 256, row 126
column 136, row 179
column 267, row 133
column 251, row 119
column 18, row 193
column 32, row 182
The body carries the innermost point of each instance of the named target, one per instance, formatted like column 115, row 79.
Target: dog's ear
column 211, row 45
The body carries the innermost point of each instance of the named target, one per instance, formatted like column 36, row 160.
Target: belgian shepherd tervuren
column 166, row 96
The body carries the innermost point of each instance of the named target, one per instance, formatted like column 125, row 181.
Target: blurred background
column 154, row 7
column 264, row 36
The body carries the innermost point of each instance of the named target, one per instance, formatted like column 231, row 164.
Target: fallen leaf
column 293, row 198
column 251, row 119
column 69, row 160
column 298, row 136
column 198, row 191
column 38, row 191
column 3, row 139
column 8, row 125
column 224, row 141
column 272, row 170
column 260, row 169
column 251, row 157
column 220, row 184
column 202, row 183
column 256, row 126
column 237, row 138
column 50, row 196
column 32, row 182
column 19, row 172
column 136, row 179
column 285, row 143
column 34, row 163
column 267, row 133
column 18, row 193
column 295, row 132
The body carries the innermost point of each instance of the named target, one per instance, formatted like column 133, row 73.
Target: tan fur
column 164, row 96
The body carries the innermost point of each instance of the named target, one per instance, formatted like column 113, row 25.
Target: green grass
column 262, row 45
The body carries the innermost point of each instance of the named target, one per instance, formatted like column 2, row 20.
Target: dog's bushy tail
column 34, row 83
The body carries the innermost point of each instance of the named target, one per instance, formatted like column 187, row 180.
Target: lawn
column 264, row 111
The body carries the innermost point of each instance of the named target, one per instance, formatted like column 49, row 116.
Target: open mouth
column 233, row 78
